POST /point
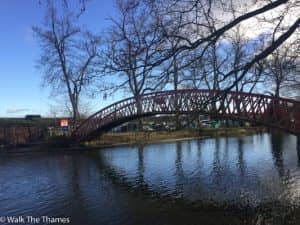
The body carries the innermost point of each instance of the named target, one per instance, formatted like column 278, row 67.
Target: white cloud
column 16, row 110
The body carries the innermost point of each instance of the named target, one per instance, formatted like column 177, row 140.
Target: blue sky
column 20, row 82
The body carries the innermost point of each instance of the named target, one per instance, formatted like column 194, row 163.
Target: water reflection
column 231, row 180
column 241, row 161
column 141, row 165
column 243, row 170
column 216, row 171
column 179, row 175
column 277, row 151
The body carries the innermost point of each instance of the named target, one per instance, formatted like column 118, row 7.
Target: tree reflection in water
column 277, row 152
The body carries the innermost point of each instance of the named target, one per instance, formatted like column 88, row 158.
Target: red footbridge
column 280, row 113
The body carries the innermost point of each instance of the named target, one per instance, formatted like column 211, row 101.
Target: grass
column 143, row 137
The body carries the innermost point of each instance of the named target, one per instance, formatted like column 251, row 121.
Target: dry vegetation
column 132, row 138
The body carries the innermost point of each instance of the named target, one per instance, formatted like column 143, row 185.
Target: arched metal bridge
column 260, row 109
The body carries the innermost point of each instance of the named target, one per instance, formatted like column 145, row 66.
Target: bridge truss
column 260, row 109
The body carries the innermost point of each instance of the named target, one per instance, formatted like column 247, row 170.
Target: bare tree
column 67, row 56
column 200, row 24
column 280, row 70
column 81, row 4
column 195, row 27
column 239, row 50
column 131, row 45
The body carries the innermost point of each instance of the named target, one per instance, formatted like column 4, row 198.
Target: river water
column 226, row 180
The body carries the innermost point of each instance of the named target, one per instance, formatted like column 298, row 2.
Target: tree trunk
column 177, row 115
column 139, row 112
column 277, row 91
column 76, row 114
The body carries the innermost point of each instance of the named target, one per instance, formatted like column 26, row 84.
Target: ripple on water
column 258, row 175
column 246, row 170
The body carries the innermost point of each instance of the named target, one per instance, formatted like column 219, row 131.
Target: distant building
column 32, row 117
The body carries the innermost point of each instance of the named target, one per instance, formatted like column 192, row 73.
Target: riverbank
column 148, row 137
column 63, row 143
